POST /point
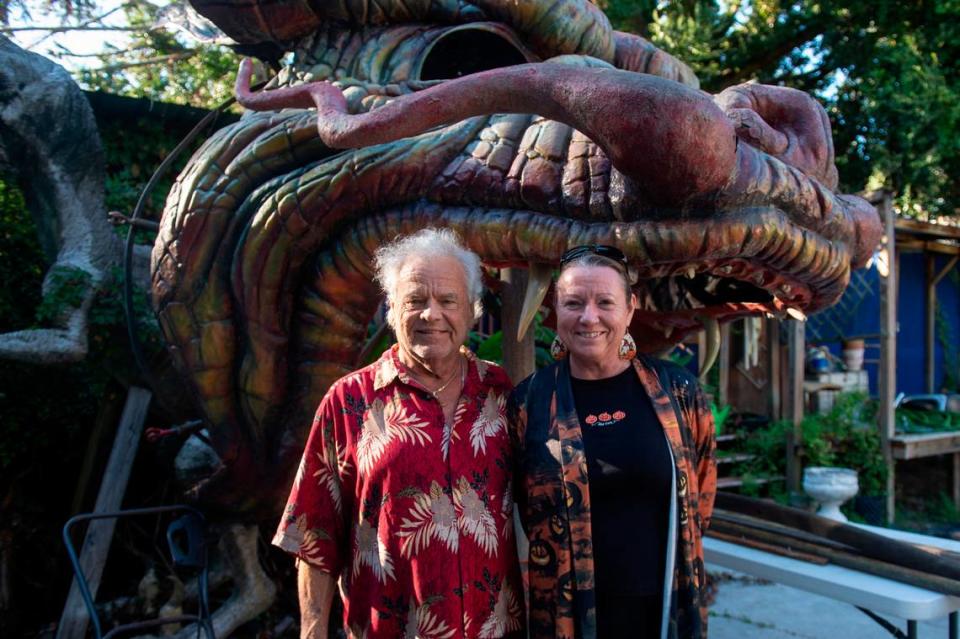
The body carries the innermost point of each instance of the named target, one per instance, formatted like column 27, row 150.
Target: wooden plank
column 109, row 414
column 916, row 227
column 942, row 248
column 734, row 458
column 925, row 445
column 888, row 349
column 909, row 244
column 96, row 543
column 518, row 357
column 735, row 482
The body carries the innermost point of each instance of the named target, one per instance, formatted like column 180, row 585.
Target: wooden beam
column 910, row 244
column 916, row 227
column 96, row 543
column 796, row 333
column 888, row 349
column 518, row 357
column 942, row 273
column 942, row 248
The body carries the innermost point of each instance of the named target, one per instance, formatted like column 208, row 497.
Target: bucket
column 853, row 354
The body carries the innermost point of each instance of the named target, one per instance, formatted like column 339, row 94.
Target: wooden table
column 874, row 595
column 928, row 445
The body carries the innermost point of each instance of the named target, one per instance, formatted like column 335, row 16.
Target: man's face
column 432, row 310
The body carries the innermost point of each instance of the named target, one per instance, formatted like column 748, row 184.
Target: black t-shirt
column 629, row 467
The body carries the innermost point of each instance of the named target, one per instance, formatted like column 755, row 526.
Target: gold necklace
column 443, row 386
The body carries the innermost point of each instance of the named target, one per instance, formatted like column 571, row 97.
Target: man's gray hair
column 429, row 242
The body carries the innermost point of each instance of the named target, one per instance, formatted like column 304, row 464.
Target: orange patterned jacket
column 554, row 499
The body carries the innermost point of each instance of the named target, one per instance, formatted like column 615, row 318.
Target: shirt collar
column 389, row 367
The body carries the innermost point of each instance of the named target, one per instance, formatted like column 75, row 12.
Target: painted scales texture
column 554, row 497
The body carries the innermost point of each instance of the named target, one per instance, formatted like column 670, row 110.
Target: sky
column 77, row 42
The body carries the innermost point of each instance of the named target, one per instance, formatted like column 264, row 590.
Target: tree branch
column 65, row 52
column 64, row 29
column 85, row 23
column 147, row 61
column 743, row 72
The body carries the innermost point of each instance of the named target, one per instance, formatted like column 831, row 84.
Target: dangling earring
column 628, row 347
column 558, row 349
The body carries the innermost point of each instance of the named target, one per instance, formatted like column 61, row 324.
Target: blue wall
column 911, row 335
column 865, row 319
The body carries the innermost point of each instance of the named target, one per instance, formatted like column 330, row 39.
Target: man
column 404, row 489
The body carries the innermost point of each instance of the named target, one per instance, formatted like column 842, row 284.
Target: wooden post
column 723, row 361
column 930, row 313
column 956, row 480
column 888, row 349
column 96, row 543
column 518, row 357
column 772, row 329
column 796, row 331
column 933, row 279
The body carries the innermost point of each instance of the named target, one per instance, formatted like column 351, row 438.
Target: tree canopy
column 886, row 71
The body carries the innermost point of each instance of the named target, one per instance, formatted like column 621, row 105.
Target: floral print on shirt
column 414, row 515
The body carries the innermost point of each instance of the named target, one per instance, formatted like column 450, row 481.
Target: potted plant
column 846, row 436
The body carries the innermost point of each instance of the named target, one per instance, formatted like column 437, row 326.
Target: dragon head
column 529, row 128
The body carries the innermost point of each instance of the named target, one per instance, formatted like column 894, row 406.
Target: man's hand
column 316, row 589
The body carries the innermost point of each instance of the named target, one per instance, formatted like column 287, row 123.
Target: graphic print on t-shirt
column 605, row 418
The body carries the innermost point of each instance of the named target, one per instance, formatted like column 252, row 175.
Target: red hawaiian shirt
column 415, row 517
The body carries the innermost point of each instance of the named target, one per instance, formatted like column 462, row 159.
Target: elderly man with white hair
column 404, row 489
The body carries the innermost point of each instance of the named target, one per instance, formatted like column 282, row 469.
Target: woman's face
column 593, row 314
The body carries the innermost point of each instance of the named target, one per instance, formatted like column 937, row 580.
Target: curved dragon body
column 725, row 206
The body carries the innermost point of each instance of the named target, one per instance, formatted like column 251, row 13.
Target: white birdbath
column 830, row 487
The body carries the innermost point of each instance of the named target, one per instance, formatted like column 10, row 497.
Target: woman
column 617, row 471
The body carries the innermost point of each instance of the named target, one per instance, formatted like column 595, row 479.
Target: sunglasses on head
column 603, row 250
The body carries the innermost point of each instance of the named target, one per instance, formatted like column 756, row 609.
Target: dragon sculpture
column 526, row 126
